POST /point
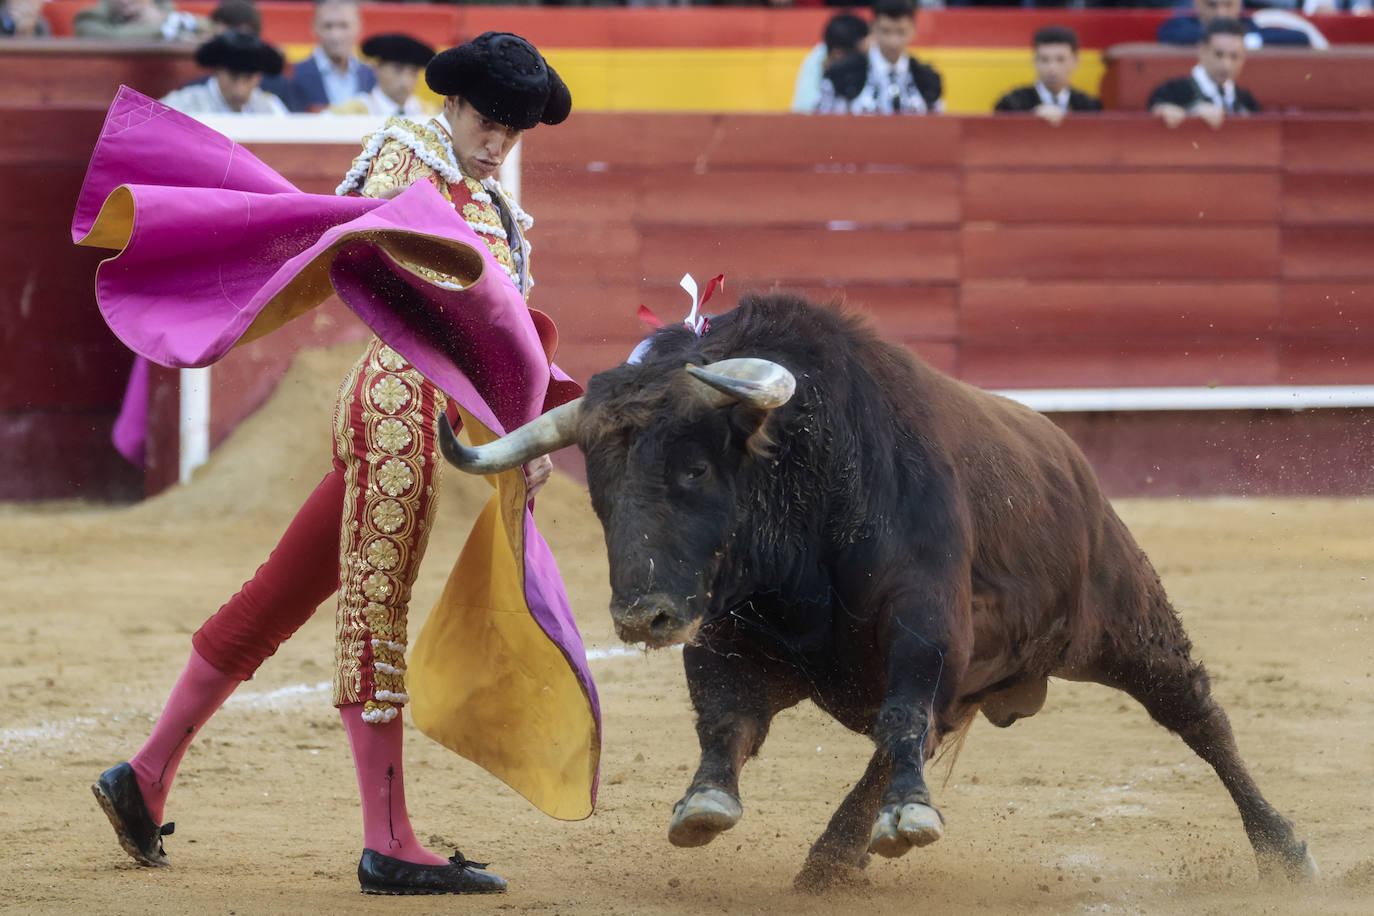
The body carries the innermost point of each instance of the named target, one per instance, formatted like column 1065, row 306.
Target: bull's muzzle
column 654, row 620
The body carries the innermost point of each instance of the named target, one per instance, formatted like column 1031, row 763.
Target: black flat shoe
column 379, row 874
column 120, row 799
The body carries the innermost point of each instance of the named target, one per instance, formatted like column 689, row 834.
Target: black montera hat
column 240, row 52
column 848, row 75
column 398, row 49
column 504, row 78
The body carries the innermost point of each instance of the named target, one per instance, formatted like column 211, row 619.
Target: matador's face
column 479, row 143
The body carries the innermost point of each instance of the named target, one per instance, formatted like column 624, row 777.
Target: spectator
column 238, row 61
column 844, row 34
column 1055, row 50
column 1210, row 91
column 332, row 74
column 244, row 16
column 236, row 16
column 1187, row 28
column 136, row 19
column 400, row 61
column 894, row 81
column 23, row 19
column 843, row 81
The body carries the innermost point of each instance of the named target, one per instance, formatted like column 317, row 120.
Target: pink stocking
column 377, row 759
column 201, row 689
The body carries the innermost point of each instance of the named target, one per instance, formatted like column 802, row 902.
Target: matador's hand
column 537, row 474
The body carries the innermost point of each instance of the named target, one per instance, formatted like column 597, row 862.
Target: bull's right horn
column 546, row 433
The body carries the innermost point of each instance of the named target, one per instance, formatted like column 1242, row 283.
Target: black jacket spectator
column 1028, row 99
column 1185, row 93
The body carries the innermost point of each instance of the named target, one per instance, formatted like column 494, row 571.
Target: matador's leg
column 385, row 439
column 384, row 433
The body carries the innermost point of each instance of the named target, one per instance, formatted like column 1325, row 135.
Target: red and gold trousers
column 362, row 532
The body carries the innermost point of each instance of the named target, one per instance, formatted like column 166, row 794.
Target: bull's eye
column 694, row 473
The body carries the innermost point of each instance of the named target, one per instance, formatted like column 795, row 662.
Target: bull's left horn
column 546, row 433
column 757, row 382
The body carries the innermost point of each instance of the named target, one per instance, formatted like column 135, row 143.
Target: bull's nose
column 648, row 621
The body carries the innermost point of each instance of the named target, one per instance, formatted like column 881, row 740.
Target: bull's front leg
column 919, row 674
column 734, row 705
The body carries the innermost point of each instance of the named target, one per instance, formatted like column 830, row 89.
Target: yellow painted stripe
column 761, row 79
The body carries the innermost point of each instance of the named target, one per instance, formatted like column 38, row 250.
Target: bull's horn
column 546, row 433
column 756, row 382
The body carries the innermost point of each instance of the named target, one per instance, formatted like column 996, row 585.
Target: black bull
column 896, row 546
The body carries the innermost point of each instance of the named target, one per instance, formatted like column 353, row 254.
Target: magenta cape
column 215, row 248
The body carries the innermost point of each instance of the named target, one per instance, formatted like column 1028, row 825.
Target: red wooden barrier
column 1110, row 252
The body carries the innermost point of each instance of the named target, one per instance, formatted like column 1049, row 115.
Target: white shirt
column 205, row 98
column 1224, row 96
column 338, row 88
column 1058, row 99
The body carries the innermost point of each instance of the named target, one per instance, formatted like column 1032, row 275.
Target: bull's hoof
column 897, row 828
column 702, row 814
column 1295, row 867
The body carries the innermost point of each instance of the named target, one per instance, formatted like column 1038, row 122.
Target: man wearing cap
column 364, row 530
column 237, row 61
column 400, row 60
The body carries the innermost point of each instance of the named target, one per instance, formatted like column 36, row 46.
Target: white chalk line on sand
column 270, row 699
column 32, row 736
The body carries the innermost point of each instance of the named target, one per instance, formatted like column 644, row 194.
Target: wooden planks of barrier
column 1109, row 252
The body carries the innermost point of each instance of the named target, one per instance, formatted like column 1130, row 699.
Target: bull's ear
column 750, row 424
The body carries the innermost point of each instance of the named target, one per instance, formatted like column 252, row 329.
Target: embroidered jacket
column 404, row 152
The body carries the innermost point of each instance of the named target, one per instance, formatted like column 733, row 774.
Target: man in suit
column 893, row 82
column 1188, row 28
column 332, row 74
column 400, row 60
column 1055, row 51
column 1210, row 91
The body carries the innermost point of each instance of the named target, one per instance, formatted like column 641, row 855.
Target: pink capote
column 216, row 248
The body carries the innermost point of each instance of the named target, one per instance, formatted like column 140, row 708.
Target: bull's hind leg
column 1176, row 691
column 735, row 705
column 842, row 850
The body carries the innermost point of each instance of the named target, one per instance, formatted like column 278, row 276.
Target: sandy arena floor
column 1087, row 808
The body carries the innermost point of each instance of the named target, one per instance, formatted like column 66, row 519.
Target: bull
column 817, row 514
